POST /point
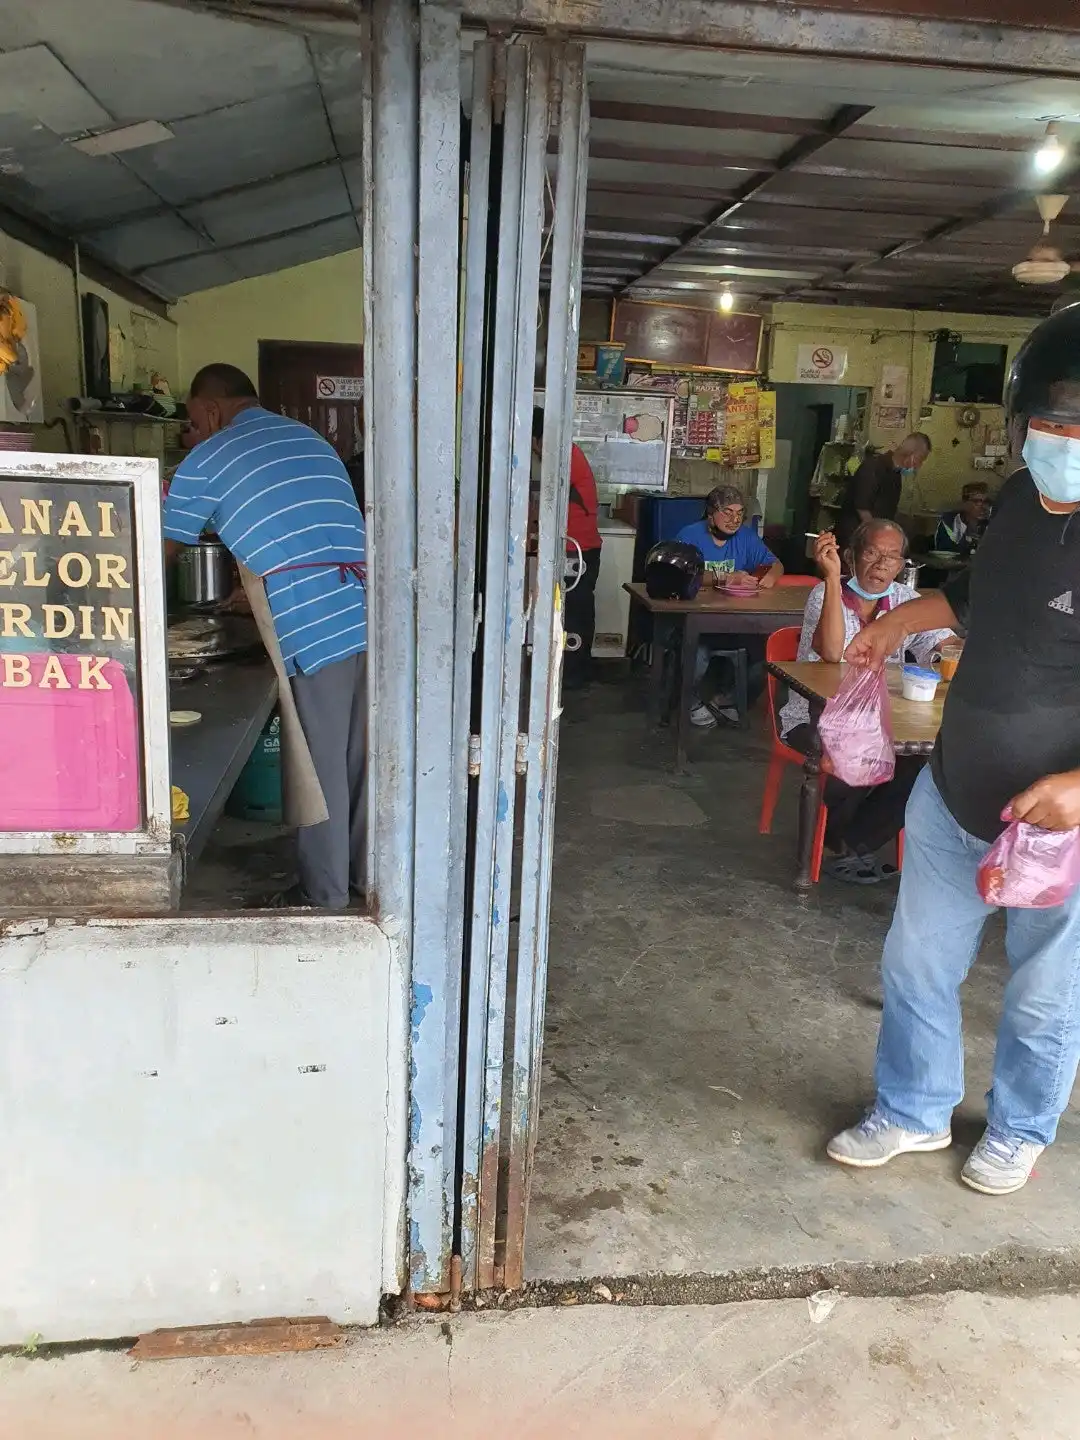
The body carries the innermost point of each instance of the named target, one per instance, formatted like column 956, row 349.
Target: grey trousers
column 332, row 857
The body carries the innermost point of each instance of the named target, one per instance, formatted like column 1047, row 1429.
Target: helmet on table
column 674, row 570
column 1044, row 382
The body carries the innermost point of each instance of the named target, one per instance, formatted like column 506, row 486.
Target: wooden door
column 304, row 379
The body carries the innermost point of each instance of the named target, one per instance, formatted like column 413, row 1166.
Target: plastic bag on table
column 1028, row 868
column 855, row 729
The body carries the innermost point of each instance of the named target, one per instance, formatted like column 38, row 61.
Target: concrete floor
column 707, row 1031
column 958, row 1365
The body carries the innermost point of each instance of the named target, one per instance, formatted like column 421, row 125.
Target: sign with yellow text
column 740, row 444
column 69, row 666
column 766, row 429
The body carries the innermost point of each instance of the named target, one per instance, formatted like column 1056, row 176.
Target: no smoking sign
column 339, row 387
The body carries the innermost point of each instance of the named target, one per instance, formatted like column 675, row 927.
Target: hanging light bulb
column 727, row 300
column 1050, row 153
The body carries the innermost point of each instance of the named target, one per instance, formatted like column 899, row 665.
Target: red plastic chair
column 784, row 645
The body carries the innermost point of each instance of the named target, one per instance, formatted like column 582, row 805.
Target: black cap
column 1044, row 382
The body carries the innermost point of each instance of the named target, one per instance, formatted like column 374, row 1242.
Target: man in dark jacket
column 873, row 492
column 1008, row 749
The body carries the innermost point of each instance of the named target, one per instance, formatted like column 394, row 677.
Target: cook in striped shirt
column 277, row 494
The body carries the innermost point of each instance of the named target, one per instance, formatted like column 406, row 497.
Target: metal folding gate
column 463, row 206
column 533, row 96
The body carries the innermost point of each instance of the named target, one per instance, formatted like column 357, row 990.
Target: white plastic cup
column 920, row 684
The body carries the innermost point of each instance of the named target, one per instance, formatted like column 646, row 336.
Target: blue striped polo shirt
column 278, row 496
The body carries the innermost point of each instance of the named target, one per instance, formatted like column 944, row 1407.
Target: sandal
column 854, row 870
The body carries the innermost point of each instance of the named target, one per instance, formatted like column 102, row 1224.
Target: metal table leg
column 809, row 810
column 687, row 656
column 657, row 697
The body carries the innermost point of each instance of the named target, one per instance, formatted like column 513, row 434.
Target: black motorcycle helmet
column 674, row 570
column 1044, row 382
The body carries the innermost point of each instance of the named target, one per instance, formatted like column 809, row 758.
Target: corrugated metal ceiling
column 787, row 175
column 264, row 168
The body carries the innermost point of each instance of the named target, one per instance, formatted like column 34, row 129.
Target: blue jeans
column 931, row 946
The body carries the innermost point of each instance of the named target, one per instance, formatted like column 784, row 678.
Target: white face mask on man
column 1053, row 460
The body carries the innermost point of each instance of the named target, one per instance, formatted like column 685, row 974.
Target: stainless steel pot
column 204, row 574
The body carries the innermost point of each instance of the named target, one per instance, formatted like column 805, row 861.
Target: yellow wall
column 149, row 342
column 323, row 300
column 874, row 338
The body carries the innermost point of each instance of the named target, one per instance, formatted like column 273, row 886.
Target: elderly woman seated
column 861, row 820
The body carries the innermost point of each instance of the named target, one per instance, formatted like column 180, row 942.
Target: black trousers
column 579, row 618
column 863, row 817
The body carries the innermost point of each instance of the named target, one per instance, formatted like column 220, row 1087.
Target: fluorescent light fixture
column 727, row 300
column 126, row 137
column 1050, row 153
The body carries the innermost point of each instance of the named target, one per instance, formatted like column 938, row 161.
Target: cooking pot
column 204, row 574
column 909, row 575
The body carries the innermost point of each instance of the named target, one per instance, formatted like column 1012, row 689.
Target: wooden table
column 915, row 726
column 711, row 613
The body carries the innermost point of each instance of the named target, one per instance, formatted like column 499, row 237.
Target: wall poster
column 21, row 400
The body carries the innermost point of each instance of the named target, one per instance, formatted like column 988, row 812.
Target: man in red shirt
column 579, row 601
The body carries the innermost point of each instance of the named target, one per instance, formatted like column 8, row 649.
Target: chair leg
column 773, row 779
column 900, row 851
column 819, row 843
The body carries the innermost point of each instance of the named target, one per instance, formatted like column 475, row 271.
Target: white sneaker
column 702, row 717
column 1000, row 1164
column 875, row 1141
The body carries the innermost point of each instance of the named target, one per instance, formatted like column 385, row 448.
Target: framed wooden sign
column 687, row 337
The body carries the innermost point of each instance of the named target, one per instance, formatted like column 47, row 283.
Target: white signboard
column 820, row 364
column 339, row 387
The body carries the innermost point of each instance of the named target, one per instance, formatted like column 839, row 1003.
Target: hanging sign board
column 821, row 364
column 69, row 657
column 339, row 387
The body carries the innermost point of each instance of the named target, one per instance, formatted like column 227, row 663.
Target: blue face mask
column 1054, row 464
column 857, row 589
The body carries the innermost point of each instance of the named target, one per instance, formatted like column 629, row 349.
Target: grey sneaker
column 1000, row 1164
column 702, row 717
column 875, row 1141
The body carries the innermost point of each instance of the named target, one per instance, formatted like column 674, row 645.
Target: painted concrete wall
column 149, row 342
column 320, row 301
column 202, row 1120
column 874, row 338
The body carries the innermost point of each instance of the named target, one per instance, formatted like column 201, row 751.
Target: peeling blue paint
column 416, row 1121
column 502, row 808
column 421, row 1000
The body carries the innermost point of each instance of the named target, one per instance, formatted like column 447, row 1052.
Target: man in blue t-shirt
column 276, row 493
column 730, row 547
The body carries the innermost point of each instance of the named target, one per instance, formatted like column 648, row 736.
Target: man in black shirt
column 874, row 490
column 1009, row 748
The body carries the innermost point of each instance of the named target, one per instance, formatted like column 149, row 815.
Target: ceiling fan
column 1044, row 264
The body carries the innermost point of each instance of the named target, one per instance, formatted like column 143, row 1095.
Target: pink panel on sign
column 69, row 759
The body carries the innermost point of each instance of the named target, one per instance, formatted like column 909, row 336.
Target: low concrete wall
column 200, row 1120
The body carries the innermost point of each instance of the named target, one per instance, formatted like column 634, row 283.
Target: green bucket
column 257, row 794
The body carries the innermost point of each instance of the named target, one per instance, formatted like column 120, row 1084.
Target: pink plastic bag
column 855, row 730
column 1028, row 868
